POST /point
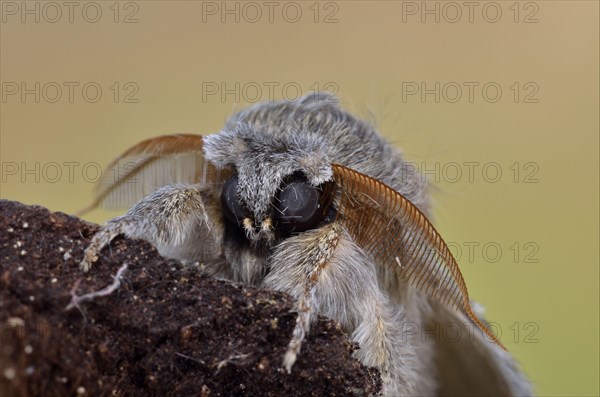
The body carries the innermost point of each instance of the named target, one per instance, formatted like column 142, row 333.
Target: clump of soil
column 167, row 330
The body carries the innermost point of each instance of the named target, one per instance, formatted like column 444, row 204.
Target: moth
column 303, row 197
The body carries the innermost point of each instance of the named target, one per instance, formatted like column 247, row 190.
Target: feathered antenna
column 399, row 236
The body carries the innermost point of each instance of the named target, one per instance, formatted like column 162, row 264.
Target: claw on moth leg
column 90, row 257
column 294, row 346
column 290, row 358
column 300, row 331
column 101, row 239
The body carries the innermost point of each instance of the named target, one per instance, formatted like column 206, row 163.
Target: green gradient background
column 367, row 54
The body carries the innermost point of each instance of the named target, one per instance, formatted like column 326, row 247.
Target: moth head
column 279, row 184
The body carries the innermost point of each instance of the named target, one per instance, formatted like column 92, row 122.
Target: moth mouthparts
column 248, row 224
column 267, row 224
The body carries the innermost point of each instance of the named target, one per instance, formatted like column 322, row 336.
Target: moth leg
column 181, row 221
column 307, row 301
column 103, row 237
column 330, row 275
column 305, row 308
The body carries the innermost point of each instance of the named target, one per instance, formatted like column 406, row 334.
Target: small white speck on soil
column 9, row 373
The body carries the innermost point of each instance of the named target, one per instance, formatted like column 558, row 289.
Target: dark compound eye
column 298, row 206
column 230, row 203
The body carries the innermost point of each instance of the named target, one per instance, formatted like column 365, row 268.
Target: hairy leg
column 329, row 275
column 182, row 222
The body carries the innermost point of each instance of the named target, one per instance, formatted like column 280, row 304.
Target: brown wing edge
column 396, row 233
column 148, row 152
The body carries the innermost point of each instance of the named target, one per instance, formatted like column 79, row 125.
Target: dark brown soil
column 168, row 330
